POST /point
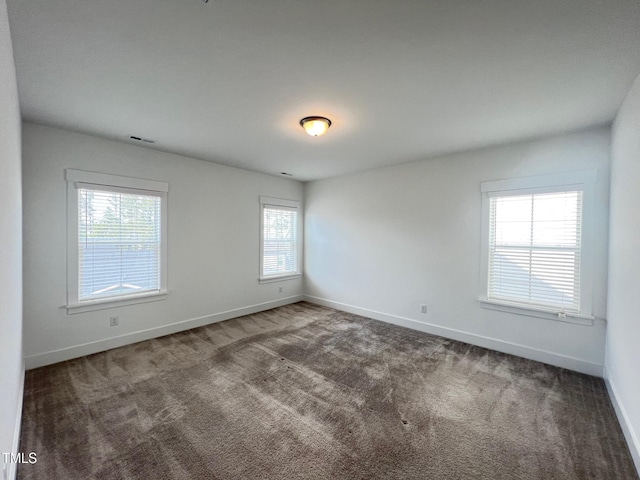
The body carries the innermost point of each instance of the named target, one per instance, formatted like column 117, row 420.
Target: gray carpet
column 306, row 392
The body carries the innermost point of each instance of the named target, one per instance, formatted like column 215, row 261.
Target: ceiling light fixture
column 315, row 126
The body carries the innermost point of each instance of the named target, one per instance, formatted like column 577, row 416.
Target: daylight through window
column 280, row 239
column 534, row 249
column 118, row 243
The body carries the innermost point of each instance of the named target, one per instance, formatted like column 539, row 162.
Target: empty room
column 353, row 239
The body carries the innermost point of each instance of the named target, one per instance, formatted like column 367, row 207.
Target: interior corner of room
column 390, row 237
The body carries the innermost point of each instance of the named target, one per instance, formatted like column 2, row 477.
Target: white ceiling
column 402, row 80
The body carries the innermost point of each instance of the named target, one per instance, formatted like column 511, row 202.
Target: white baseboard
column 12, row 468
column 623, row 418
column 543, row 356
column 55, row 356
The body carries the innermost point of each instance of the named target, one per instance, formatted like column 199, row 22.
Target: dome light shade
column 315, row 126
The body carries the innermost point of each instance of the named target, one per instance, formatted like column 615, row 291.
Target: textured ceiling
column 228, row 81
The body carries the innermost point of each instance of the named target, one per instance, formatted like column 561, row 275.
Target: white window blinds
column 119, row 242
column 279, row 240
column 535, row 249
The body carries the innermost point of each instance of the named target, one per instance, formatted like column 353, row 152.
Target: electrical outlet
column 423, row 308
column 113, row 321
column 280, row 289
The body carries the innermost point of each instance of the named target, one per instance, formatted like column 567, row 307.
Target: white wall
column 213, row 244
column 623, row 331
column 382, row 242
column 11, row 368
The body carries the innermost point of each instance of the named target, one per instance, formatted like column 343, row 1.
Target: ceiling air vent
column 140, row 139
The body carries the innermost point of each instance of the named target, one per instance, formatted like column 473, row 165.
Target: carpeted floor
column 307, row 392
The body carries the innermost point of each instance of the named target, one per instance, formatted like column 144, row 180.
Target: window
column 280, row 239
column 534, row 244
column 117, row 240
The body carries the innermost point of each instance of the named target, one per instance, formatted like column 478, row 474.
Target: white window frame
column 574, row 181
column 75, row 180
column 289, row 204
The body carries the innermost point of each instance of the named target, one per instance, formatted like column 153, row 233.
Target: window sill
column 279, row 278
column 517, row 309
column 101, row 304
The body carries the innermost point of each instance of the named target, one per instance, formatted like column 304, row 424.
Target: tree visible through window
column 118, row 243
column 116, row 239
